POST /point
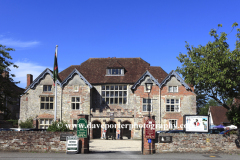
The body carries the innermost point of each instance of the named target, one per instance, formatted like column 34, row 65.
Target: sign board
column 63, row 136
column 150, row 129
column 72, row 144
column 82, row 128
column 165, row 139
column 196, row 123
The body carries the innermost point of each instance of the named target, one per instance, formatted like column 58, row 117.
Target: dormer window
column 115, row 72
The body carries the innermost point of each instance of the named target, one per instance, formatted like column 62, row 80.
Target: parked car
column 215, row 131
column 225, row 132
column 20, row 129
column 5, row 129
column 161, row 131
column 176, row 131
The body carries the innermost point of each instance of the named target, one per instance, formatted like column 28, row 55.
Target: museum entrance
column 125, row 130
column 96, row 130
column 111, row 130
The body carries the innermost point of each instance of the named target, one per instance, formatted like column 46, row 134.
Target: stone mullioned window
column 172, row 105
column 147, row 105
column 46, row 102
column 114, row 94
column 75, row 103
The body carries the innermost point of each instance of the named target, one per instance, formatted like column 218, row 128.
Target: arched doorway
column 96, row 129
column 111, row 130
column 126, row 130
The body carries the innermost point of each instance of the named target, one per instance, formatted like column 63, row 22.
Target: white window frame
column 45, row 102
column 47, row 88
column 109, row 72
column 74, row 102
column 173, row 104
column 147, row 105
column 170, row 124
column 113, row 96
column 172, row 90
column 45, row 125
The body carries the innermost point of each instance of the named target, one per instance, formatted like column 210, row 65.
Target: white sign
column 72, row 144
column 196, row 123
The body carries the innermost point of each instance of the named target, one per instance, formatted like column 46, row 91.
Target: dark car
column 215, row 131
column 5, row 129
column 176, row 131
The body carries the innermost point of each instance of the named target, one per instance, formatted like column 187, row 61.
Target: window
column 75, row 88
column 75, row 103
column 147, row 105
column 115, row 72
column 172, row 105
column 114, row 94
column 44, row 123
column 172, row 89
column 172, row 124
column 46, row 102
column 47, row 88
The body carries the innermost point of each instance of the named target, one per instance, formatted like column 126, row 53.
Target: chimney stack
column 29, row 79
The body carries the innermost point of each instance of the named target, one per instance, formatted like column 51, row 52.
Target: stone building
column 112, row 91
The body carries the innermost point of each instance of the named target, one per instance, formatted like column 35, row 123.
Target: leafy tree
column 205, row 108
column 214, row 68
column 201, row 99
column 6, row 81
column 60, row 126
column 27, row 124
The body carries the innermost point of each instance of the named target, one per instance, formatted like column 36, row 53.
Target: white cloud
column 25, row 68
column 17, row 43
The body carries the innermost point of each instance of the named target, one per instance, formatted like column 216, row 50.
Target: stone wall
column 199, row 143
column 32, row 141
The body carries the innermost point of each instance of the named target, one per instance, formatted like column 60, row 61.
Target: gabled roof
column 40, row 77
column 147, row 73
column 75, row 71
column 173, row 73
column 218, row 115
column 94, row 70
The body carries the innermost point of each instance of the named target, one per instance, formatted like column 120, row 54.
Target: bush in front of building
column 60, row 126
column 13, row 121
column 27, row 124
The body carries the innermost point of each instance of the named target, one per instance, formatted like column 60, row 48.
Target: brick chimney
column 29, row 79
column 5, row 74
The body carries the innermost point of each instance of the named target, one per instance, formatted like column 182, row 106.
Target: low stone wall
column 32, row 141
column 199, row 143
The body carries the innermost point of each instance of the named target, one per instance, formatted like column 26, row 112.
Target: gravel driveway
column 114, row 145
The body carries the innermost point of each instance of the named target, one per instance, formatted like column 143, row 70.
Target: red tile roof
column 219, row 115
column 94, row 70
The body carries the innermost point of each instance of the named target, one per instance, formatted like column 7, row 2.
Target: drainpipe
column 61, row 104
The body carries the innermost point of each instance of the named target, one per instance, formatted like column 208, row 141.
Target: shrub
column 60, row 126
column 13, row 121
column 27, row 124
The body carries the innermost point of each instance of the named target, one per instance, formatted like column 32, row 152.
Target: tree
column 204, row 109
column 201, row 99
column 214, row 68
column 6, row 87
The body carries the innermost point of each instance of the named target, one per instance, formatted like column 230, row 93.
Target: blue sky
column 154, row 30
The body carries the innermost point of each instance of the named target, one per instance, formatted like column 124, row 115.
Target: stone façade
column 91, row 102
